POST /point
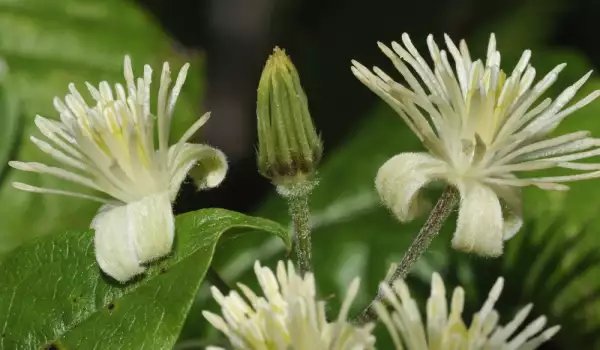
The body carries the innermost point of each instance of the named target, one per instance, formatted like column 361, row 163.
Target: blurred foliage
column 10, row 122
column 47, row 45
column 75, row 306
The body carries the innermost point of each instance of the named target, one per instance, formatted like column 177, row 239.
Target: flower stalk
column 289, row 148
column 300, row 213
column 439, row 214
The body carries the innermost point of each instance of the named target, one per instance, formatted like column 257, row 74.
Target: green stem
column 299, row 211
column 437, row 217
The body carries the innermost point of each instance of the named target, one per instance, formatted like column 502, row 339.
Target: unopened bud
column 289, row 148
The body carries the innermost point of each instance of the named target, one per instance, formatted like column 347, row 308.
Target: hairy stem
column 299, row 211
column 437, row 217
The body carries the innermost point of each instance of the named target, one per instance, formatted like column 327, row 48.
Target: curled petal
column 480, row 223
column 399, row 180
column 207, row 164
column 130, row 235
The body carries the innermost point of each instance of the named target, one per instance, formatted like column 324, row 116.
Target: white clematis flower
column 443, row 330
column 480, row 126
column 109, row 147
column 288, row 316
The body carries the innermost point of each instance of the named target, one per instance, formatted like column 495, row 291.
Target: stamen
column 58, row 172
column 567, row 178
column 528, row 152
column 35, row 189
column 580, row 104
column 526, row 182
column 163, row 119
column 418, row 64
column 579, row 166
column 58, row 155
column 129, row 78
column 52, row 131
column 501, row 335
column 177, row 88
column 96, row 95
column 525, row 166
column 105, row 92
column 401, row 67
column 529, row 331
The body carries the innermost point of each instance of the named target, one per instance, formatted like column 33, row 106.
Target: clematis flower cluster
column 447, row 330
column 288, row 316
column 109, row 146
column 480, row 126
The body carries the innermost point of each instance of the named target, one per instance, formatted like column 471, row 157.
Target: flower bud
column 289, row 148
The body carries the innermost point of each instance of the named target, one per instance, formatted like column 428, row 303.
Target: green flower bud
column 289, row 148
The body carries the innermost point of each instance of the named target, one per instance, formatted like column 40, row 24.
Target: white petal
column 132, row 234
column 152, row 226
column 480, row 224
column 115, row 250
column 399, row 180
column 512, row 208
column 208, row 166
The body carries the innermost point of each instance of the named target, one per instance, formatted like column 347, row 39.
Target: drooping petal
column 480, row 223
column 132, row 234
column 512, row 208
column 152, row 226
column 115, row 250
column 209, row 166
column 399, row 180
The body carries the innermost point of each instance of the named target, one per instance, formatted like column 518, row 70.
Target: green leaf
column 52, row 291
column 49, row 44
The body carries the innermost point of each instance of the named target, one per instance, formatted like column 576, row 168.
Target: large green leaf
column 53, row 293
column 47, row 45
